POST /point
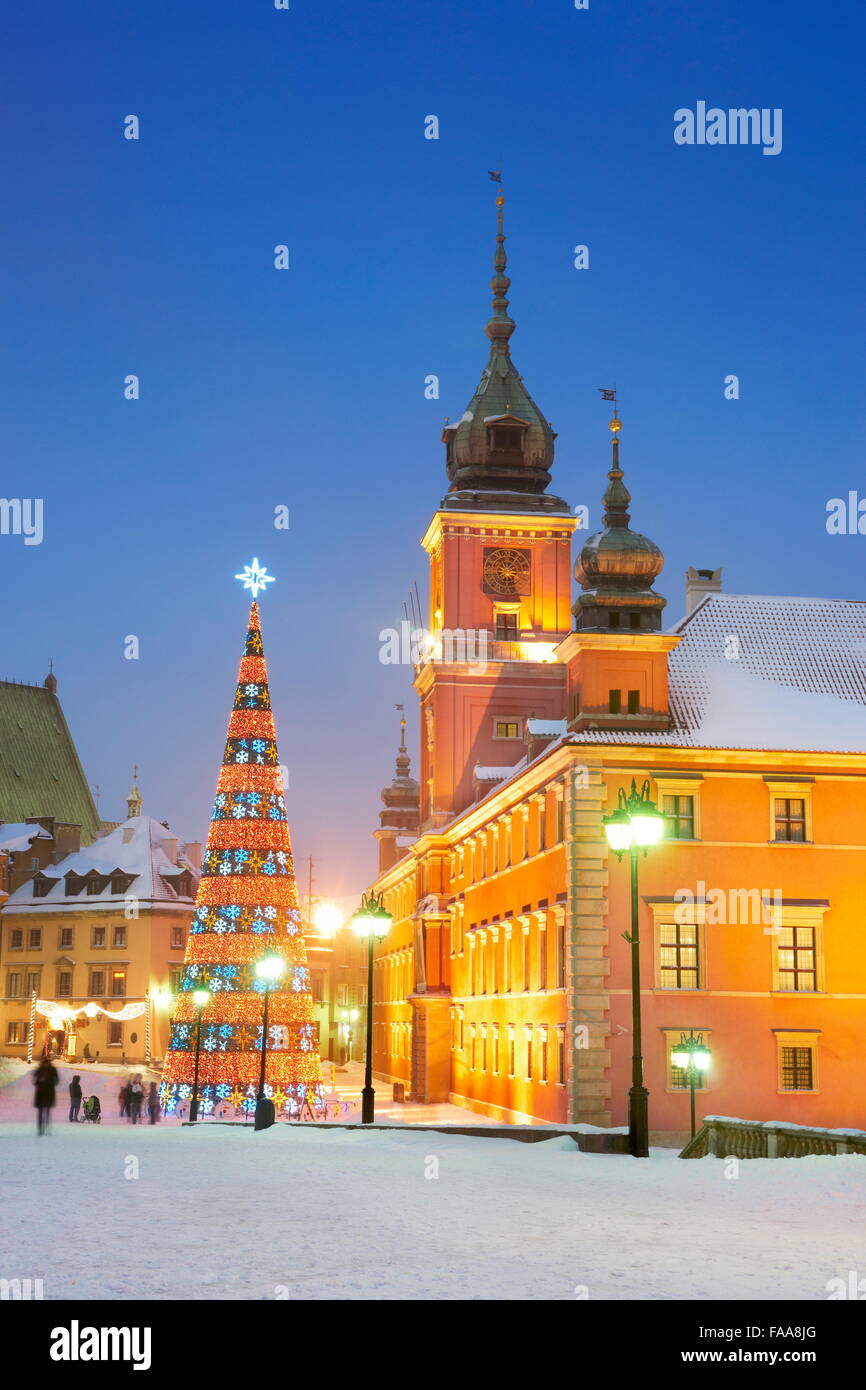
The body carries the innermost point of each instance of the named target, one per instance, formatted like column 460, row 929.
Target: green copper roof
column 40, row 774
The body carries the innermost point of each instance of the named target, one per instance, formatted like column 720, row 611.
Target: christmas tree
column 246, row 908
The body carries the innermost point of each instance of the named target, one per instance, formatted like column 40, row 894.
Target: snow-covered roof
column 547, row 728
column 20, row 835
column 137, row 848
column 496, row 774
column 763, row 672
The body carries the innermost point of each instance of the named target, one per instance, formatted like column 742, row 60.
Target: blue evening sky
column 305, row 387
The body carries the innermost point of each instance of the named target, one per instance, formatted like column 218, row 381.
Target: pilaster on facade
column 586, row 960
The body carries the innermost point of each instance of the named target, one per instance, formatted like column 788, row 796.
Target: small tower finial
column 617, row 496
column 133, row 801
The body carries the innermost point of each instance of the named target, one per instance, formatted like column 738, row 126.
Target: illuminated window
column 506, row 728
column 678, row 956
column 542, row 1051
column 797, row 1069
column 797, row 958
column 118, row 984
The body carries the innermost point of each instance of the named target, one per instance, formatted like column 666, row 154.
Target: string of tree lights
column 246, row 906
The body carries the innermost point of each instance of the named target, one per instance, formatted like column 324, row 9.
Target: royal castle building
column 504, row 983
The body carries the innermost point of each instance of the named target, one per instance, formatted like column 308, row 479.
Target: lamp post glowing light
column 327, row 919
column 371, row 920
column 269, row 969
column 693, row 1057
column 635, row 824
column 199, row 998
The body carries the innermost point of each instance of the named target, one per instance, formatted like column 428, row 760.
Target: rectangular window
column 542, row 825
column 790, row 819
column 528, row 1032
column 473, row 1046
column 614, row 702
column 494, row 964
column 560, row 819
column 678, row 956
column 527, row 958
column 42, row 887
column 797, row 958
column 542, row 1060
column 560, row 1056
column 175, row 975
column 118, row 936
column 507, row 728
column 16, row 939
column 34, row 939
column 510, row 1050
column 97, row 982
column 95, row 885
column 679, row 814
column 177, row 936
column 65, row 942
column 98, row 938
column 118, row 984
column 15, row 1033
column 634, row 621
column 797, row 1070
column 506, row 962
column 484, row 1047
column 33, row 982
column 634, row 702
column 317, row 985
column 496, row 1049
column 558, row 954
column 115, row 1035
column 542, row 958
column 13, row 985
column 64, row 984
column 343, row 996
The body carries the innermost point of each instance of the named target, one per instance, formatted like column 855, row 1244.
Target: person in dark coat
column 74, row 1098
column 123, row 1099
column 136, row 1098
column 153, row 1103
column 45, row 1094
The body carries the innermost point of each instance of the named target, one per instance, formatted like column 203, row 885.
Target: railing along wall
column 724, row 1137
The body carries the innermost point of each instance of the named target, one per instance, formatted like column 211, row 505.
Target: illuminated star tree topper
column 255, row 577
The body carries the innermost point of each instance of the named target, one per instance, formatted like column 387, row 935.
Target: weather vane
column 255, row 577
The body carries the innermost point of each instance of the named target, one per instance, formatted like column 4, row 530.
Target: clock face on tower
column 506, row 571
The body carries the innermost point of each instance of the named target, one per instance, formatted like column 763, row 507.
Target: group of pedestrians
column 133, row 1099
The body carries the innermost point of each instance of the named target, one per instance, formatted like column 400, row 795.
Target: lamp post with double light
column 371, row 920
column 199, row 998
column 693, row 1057
column 269, row 970
column 636, row 824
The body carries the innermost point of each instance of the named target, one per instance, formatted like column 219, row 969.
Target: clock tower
column 500, row 581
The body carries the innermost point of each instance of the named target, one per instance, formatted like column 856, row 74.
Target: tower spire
column 500, row 326
column 616, row 495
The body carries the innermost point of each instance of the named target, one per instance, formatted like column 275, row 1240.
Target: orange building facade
column 504, row 983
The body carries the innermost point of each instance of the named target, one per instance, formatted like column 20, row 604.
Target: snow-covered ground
column 172, row 1212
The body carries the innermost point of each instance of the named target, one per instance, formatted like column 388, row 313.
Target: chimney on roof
column 170, row 847
column 192, row 850
column 50, row 681
column 699, row 583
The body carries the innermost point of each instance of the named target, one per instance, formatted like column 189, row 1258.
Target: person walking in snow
column 136, row 1098
column 123, row 1099
column 74, row 1098
column 153, row 1103
column 45, row 1094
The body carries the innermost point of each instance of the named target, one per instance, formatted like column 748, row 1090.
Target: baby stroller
column 92, row 1110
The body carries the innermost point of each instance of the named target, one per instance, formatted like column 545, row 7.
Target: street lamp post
column 199, row 998
column 694, row 1057
column 635, row 824
column 268, row 969
column 373, row 920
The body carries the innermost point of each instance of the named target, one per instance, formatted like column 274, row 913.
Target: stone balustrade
column 725, row 1137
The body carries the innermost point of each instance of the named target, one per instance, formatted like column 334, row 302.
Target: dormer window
column 41, row 886
column 506, row 438
column 74, row 885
